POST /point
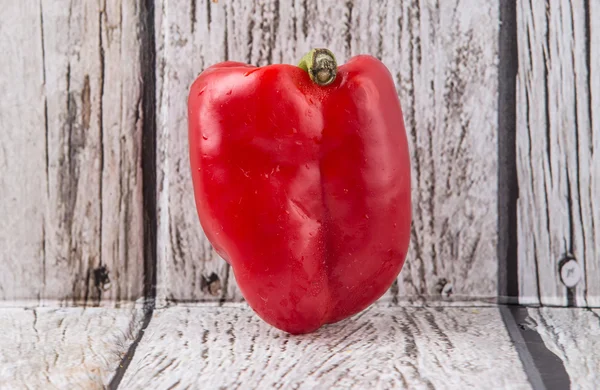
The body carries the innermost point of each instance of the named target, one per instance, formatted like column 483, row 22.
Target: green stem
column 320, row 65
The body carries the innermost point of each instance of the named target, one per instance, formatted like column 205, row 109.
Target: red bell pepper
column 302, row 183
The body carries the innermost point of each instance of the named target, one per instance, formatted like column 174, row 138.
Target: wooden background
column 558, row 150
column 95, row 190
column 70, row 155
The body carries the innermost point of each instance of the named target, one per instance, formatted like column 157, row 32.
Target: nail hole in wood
column 211, row 284
column 101, row 278
column 444, row 288
column 570, row 271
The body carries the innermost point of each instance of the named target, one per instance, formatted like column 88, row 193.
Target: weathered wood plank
column 71, row 188
column 70, row 348
column 22, row 202
column 574, row 336
column 229, row 347
column 185, row 31
column 558, row 149
column 443, row 57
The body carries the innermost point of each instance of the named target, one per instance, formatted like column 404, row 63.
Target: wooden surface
column 574, row 336
column 211, row 347
column 443, row 57
column 558, row 149
column 70, row 146
column 69, row 348
column 414, row 348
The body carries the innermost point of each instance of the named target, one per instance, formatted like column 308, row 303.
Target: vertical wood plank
column 558, row 140
column 592, row 265
column 22, row 202
column 189, row 36
column 71, row 136
column 443, row 55
column 23, row 182
column 443, row 58
column 122, row 226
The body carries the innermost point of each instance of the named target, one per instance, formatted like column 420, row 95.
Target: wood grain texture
column 70, row 144
column 188, row 267
column 443, row 59
column 70, row 348
column 383, row 348
column 574, row 336
column 558, row 150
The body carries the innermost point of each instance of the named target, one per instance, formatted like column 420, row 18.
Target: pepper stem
column 320, row 65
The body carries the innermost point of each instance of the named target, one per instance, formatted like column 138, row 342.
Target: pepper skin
column 304, row 189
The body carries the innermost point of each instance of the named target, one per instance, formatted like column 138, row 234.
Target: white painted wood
column 22, row 154
column 70, row 136
column 593, row 263
column 558, row 149
column 383, row 348
column 69, row 348
column 574, row 336
column 186, row 260
column 443, row 58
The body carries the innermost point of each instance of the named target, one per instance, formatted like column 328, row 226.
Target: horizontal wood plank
column 443, row 58
column 574, row 336
column 71, row 185
column 558, row 152
column 212, row 347
column 69, row 348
